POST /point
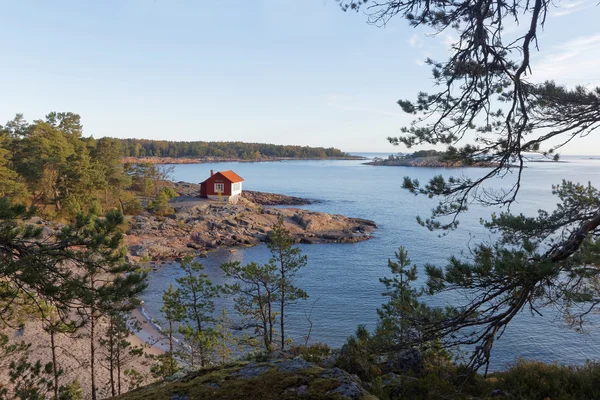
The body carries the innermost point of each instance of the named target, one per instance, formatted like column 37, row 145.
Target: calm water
column 343, row 279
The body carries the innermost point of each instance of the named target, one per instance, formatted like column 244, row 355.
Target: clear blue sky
column 278, row 71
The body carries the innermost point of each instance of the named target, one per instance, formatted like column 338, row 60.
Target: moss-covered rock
column 277, row 379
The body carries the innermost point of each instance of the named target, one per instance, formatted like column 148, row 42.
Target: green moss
column 525, row 380
column 321, row 386
column 221, row 384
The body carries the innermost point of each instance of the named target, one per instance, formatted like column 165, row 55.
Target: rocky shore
column 274, row 199
column 199, row 225
column 428, row 162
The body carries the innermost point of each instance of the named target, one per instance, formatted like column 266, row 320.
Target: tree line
column 48, row 165
column 237, row 150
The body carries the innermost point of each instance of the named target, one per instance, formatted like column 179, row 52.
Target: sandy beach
column 73, row 353
column 149, row 334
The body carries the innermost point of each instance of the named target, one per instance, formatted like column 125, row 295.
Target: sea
column 342, row 280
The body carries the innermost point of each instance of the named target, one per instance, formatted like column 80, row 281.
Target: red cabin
column 223, row 186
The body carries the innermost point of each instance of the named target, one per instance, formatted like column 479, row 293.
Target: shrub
column 160, row 206
column 133, row 207
column 95, row 208
column 524, row 380
column 531, row 379
column 313, row 353
column 257, row 356
column 168, row 193
column 72, row 391
column 47, row 214
column 356, row 356
column 72, row 206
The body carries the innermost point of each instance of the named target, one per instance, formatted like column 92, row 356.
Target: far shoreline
column 207, row 160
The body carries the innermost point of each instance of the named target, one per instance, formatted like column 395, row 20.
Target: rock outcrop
column 199, row 225
column 277, row 379
column 274, row 199
column 429, row 162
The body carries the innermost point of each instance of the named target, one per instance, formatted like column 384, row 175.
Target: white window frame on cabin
column 219, row 187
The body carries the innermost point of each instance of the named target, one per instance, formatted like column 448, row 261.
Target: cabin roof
column 229, row 175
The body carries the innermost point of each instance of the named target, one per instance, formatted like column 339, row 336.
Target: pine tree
column 256, row 293
column 399, row 316
column 41, row 159
column 106, row 282
column 196, row 294
column 227, row 343
column 54, row 326
column 111, row 176
column 117, row 349
column 287, row 260
column 173, row 313
column 10, row 187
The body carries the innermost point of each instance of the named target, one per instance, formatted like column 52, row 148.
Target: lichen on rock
column 271, row 380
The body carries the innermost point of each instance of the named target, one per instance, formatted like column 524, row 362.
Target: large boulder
column 276, row 379
column 407, row 360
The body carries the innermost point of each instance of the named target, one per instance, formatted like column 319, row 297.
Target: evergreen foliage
column 196, row 297
column 483, row 91
column 286, row 260
column 255, row 289
column 50, row 164
column 238, row 150
column 263, row 291
column 173, row 313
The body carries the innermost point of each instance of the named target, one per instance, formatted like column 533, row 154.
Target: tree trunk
column 282, row 294
column 266, row 335
column 92, row 355
column 36, row 198
column 54, row 364
column 118, row 359
column 92, row 345
column 265, row 319
column 111, row 356
column 171, row 348
column 270, row 309
column 199, row 329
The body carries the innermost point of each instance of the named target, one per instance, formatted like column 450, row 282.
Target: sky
column 274, row 71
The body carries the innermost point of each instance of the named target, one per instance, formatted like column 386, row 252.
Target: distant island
column 180, row 152
column 427, row 159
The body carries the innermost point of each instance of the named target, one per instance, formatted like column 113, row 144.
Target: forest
column 235, row 150
column 51, row 165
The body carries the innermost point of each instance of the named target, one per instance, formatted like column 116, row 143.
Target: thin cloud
column 415, row 41
column 570, row 8
column 572, row 62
